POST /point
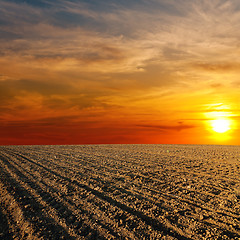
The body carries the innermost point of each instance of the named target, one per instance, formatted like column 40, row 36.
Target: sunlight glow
column 221, row 125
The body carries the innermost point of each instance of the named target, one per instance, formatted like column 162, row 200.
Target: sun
column 221, row 125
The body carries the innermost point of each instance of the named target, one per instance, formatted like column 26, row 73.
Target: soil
column 120, row 192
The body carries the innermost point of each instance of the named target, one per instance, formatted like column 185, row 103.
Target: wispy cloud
column 178, row 127
column 77, row 35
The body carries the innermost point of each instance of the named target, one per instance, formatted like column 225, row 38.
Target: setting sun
column 221, row 125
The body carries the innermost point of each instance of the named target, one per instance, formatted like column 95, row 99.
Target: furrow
column 30, row 209
column 82, row 210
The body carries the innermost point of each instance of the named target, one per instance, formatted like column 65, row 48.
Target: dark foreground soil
column 120, row 192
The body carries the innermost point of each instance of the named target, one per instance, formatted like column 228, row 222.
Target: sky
column 119, row 71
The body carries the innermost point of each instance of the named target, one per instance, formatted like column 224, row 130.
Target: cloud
column 218, row 66
column 166, row 127
column 87, row 36
column 31, row 100
column 49, row 122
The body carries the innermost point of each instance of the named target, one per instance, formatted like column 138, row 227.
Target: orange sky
column 85, row 72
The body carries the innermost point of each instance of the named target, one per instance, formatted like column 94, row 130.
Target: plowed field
column 120, row 192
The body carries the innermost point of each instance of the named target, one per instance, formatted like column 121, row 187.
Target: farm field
column 120, row 192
